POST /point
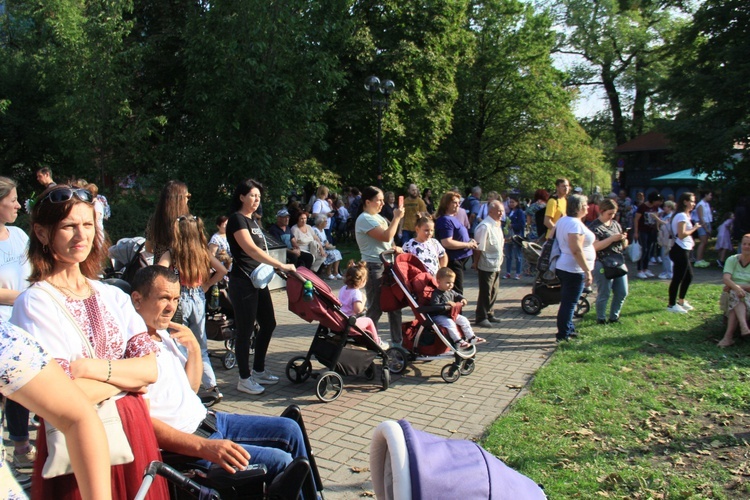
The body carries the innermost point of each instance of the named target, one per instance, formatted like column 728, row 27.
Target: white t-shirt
column 490, row 241
column 686, row 243
column 14, row 266
column 322, row 207
column 172, row 399
column 707, row 215
column 564, row 228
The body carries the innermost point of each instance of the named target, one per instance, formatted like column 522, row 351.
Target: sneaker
column 701, row 264
column 649, row 273
column 493, row 319
column 265, row 377
column 23, row 480
column 653, row 260
column 250, row 386
column 720, row 263
column 339, row 277
column 507, row 276
column 676, row 309
column 485, row 323
column 663, row 276
column 518, row 277
column 642, row 275
column 384, row 345
column 331, row 277
column 659, row 260
column 217, row 393
column 25, row 460
column 686, row 305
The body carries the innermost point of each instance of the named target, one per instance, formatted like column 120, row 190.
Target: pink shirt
column 348, row 297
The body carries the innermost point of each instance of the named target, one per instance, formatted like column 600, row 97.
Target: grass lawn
column 647, row 408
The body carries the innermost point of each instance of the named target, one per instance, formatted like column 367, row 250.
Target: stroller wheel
column 531, row 304
column 450, row 373
column 396, row 360
column 467, row 367
column 298, row 369
column 370, row 372
column 385, row 377
column 229, row 344
column 582, row 307
column 229, row 360
column 330, row 386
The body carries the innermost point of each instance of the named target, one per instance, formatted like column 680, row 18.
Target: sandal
column 478, row 340
column 463, row 345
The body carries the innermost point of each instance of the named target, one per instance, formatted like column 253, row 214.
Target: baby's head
column 445, row 278
column 356, row 274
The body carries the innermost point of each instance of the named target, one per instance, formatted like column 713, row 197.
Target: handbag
column 613, row 266
column 264, row 273
column 58, row 458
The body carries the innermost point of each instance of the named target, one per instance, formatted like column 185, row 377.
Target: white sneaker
column 642, row 275
column 653, row 260
column 265, row 377
column 339, row 277
column 384, row 345
column 685, row 305
column 250, row 386
column 659, row 260
column 663, row 276
column 331, row 277
column 649, row 273
column 676, row 309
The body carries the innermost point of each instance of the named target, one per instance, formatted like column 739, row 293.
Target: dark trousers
column 305, row 259
column 648, row 242
column 457, row 266
column 489, row 283
column 251, row 305
column 18, row 421
column 571, row 287
column 682, row 273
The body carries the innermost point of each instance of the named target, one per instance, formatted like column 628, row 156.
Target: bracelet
column 109, row 370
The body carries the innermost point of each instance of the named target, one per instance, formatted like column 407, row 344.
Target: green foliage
column 130, row 214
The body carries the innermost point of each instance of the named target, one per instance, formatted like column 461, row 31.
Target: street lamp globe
column 372, row 83
column 387, row 87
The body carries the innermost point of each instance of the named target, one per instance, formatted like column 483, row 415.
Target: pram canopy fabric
column 410, row 464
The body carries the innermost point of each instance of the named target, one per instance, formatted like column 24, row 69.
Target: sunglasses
column 189, row 218
column 62, row 195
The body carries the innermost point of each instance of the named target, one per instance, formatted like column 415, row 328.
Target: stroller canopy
column 410, row 464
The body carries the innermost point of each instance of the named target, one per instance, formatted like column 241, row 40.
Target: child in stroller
column 546, row 289
column 353, row 299
column 339, row 343
column 407, row 283
column 444, row 295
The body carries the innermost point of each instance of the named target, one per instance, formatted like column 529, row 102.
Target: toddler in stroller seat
column 444, row 295
column 353, row 299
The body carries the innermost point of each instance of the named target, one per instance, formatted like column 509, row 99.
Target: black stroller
column 546, row 289
column 220, row 323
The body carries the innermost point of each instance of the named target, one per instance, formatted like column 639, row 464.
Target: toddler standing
column 724, row 239
column 445, row 295
column 353, row 300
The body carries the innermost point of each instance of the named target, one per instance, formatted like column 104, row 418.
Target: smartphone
column 400, row 202
column 627, row 229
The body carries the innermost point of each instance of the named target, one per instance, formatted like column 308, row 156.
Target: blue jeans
column 273, row 441
column 666, row 262
column 513, row 254
column 619, row 289
column 193, row 304
column 570, row 291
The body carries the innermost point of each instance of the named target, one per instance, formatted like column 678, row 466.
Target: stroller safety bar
column 182, row 482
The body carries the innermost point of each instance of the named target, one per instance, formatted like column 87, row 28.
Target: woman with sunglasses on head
column 189, row 257
column 251, row 304
column 91, row 329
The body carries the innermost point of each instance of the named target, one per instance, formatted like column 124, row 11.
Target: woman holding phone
column 682, row 272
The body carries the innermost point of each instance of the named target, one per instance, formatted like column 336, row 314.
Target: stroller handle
column 387, row 253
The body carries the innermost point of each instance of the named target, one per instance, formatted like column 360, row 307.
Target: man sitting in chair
column 181, row 422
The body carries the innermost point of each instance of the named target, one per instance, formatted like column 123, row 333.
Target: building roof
column 650, row 141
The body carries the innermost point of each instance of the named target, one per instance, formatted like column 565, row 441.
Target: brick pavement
column 341, row 430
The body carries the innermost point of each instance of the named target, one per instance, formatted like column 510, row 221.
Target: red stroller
column 338, row 343
column 407, row 283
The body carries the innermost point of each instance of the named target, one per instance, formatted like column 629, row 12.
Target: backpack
column 665, row 236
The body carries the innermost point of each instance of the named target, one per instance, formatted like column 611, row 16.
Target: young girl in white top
column 353, row 299
column 682, row 274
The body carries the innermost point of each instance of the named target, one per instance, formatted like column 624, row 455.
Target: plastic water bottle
column 308, row 289
column 213, row 300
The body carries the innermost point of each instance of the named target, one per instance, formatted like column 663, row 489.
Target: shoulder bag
column 263, row 274
column 58, row 458
column 613, row 266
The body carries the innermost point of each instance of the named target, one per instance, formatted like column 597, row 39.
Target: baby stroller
column 404, row 462
column 220, row 323
column 407, row 283
column 338, row 343
column 127, row 256
column 546, row 289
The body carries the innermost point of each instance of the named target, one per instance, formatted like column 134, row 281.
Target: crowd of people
column 104, row 344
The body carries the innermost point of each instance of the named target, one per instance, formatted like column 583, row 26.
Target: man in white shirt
column 181, row 422
column 488, row 260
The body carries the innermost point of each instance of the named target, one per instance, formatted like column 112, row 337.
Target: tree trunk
column 608, row 79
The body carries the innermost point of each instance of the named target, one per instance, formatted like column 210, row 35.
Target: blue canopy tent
column 681, row 177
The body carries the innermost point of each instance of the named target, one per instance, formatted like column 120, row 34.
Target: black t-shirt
column 238, row 222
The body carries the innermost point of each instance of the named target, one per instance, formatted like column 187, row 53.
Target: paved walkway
column 341, row 430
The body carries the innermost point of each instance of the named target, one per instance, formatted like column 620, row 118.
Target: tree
column 711, row 88
column 622, row 46
column 513, row 125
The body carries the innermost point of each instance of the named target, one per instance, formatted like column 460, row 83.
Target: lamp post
column 380, row 93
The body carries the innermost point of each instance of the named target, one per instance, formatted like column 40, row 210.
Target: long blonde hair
column 190, row 250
